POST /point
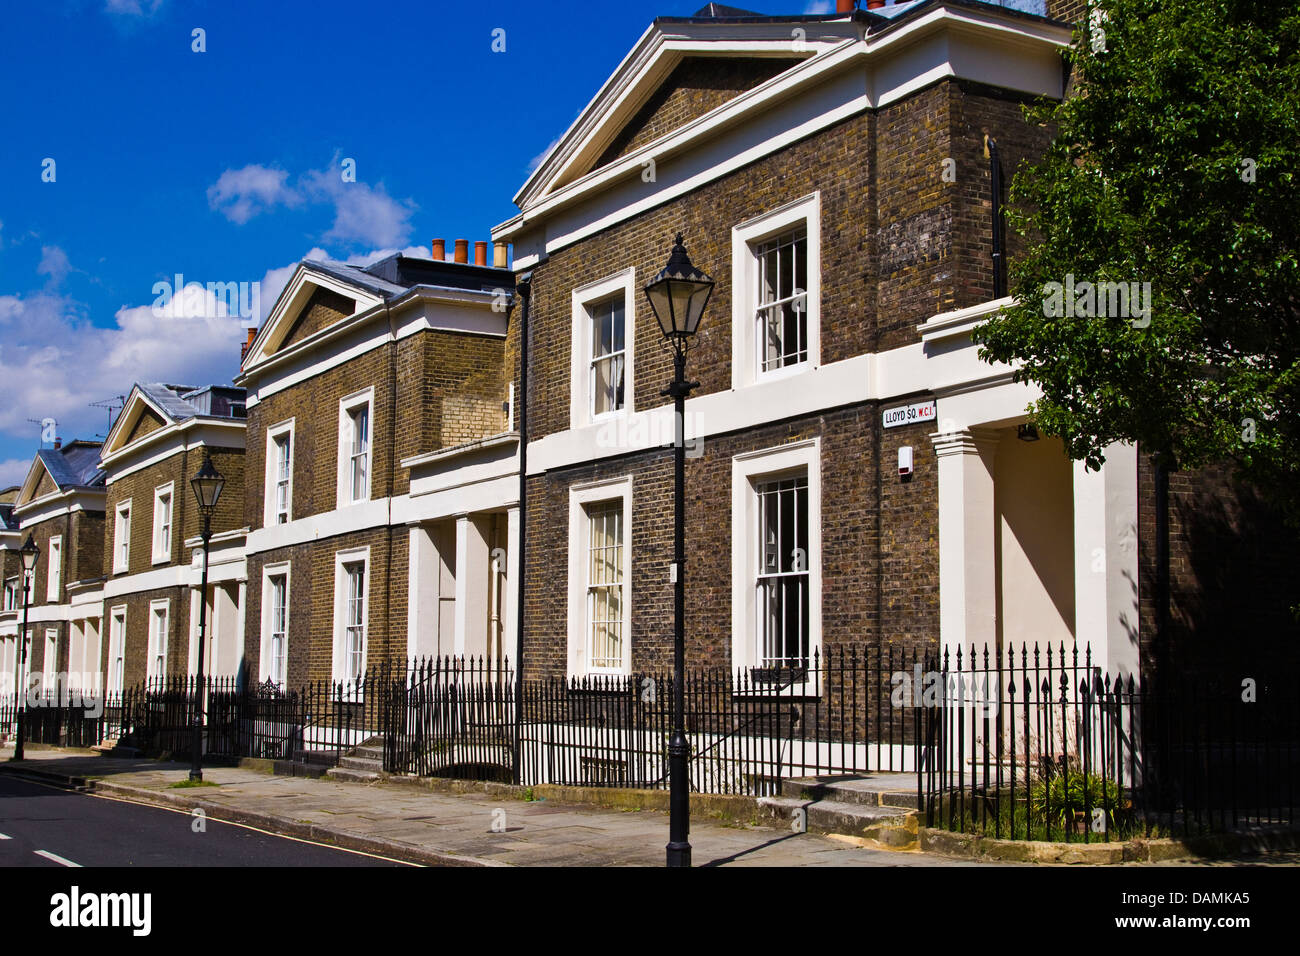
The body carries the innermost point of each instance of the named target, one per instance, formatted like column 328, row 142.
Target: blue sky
column 226, row 165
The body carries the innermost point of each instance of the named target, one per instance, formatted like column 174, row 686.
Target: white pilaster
column 967, row 526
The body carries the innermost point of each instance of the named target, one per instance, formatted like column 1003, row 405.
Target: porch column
column 473, row 565
column 422, row 595
column 1106, row 560
column 967, row 543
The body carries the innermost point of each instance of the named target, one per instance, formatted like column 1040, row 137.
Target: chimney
column 845, row 6
column 58, row 443
column 439, row 250
column 462, row 250
column 248, row 344
column 480, row 253
column 875, row 4
column 501, row 255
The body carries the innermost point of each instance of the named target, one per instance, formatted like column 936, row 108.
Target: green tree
column 1174, row 163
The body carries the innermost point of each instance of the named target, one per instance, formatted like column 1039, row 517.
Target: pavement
column 411, row 823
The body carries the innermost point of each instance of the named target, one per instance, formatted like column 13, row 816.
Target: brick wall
column 898, row 243
column 696, row 85
column 323, row 309
column 870, row 594
column 311, row 601
column 140, row 487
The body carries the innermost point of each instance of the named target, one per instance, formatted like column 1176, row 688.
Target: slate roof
column 75, row 465
column 7, row 520
column 397, row 274
column 184, row 401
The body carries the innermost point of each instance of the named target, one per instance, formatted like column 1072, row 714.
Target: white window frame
column 162, row 547
column 347, row 407
column 49, row 662
column 54, row 569
column 581, row 497
column 122, row 536
column 584, row 298
column 271, row 512
column 13, row 593
column 115, row 665
column 748, row 471
column 269, row 573
column 806, row 213
column 342, row 561
column 162, row 606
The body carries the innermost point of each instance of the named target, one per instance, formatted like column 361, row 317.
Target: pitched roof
column 75, row 465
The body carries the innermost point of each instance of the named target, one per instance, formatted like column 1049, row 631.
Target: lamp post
column 678, row 295
column 207, row 484
column 29, row 552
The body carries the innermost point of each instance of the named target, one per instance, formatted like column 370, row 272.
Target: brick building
column 145, row 609
column 832, row 174
column 381, row 466
column 61, row 505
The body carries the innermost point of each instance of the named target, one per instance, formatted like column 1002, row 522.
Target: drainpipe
column 524, row 286
column 995, row 178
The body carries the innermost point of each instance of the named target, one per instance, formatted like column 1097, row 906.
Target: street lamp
column 29, row 552
column 207, row 484
column 678, row 295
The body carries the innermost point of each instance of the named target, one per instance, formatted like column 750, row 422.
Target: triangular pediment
column 37, row 484
column 139, row 418
column 313, row 299
column 677, row 73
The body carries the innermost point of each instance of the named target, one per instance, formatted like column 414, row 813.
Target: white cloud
column 13, row 471
column 54, row 263
column 133, row 8
column 241, row 194
column 819, row 6
column 541, row 157
column 65, row 362
column 363, row 214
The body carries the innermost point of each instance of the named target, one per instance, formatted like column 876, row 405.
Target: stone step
column 891, row 828
column 368, row 752
column 870, row 790
column 361, row 763
column 351, row 776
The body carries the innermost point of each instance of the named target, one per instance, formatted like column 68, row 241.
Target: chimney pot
column 58, row 443
column 439, row 250
column 875, row 4
column 501, row 255
column 480, row 253
column 462, row 250
column 845, row 6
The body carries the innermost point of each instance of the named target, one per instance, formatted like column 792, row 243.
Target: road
column 45, row 826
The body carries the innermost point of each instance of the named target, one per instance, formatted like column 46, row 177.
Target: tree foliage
column 1174, row 162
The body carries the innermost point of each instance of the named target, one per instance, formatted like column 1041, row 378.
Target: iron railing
column 1036, row 743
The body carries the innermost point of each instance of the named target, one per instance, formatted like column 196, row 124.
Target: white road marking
column 57, row 859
